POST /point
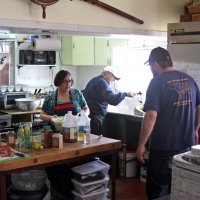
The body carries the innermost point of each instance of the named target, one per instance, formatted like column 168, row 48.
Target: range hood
column 184, row 32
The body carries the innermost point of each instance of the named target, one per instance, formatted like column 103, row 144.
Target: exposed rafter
column 114, row 10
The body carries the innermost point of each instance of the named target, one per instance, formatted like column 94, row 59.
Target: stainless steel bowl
column 27, row 103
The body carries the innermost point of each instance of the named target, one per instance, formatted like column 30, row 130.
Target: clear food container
column 92, row 171
column 90, row 187
column 94, row 196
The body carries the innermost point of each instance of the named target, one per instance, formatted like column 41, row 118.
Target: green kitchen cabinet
column 114, row 42
column 77, row 50
column 103, row 49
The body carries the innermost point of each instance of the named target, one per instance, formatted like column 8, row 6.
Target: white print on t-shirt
column 183, row 89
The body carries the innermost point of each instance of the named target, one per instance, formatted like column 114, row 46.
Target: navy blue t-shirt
column 174, row 95
column 98, row 95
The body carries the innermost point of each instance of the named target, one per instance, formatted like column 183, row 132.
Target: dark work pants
column 96, row 123
column 60, row 179
column 159, row 171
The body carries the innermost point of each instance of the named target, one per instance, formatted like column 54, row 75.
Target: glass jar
column 24, row 137
column 11, row 139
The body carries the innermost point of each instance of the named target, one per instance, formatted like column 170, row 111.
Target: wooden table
column 70, row 152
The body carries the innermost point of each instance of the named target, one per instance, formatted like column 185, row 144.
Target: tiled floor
column 130, row 189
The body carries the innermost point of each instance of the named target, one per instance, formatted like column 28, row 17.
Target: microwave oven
column 29, row 57
column 7, row 99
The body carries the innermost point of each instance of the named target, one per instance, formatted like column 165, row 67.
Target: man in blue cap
column 171, row 123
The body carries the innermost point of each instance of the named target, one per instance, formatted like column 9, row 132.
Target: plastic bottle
column 69, row 128
column 83, row 127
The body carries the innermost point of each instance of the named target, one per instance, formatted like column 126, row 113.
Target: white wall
column 155, row 14
column 84, row 74
column 80, row 17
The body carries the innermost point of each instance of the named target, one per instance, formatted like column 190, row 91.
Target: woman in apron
column 58, row 103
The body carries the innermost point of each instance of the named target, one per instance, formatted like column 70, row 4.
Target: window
column 135, row 75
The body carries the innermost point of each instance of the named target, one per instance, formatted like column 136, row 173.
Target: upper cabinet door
column 114, row 42
column 103, row 49
column 78, row 50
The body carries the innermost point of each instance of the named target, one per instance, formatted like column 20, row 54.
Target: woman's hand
column 46, row 117
column 87, row 110
column 52, row 117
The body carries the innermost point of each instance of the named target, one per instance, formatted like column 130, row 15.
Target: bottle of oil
column 83, row 125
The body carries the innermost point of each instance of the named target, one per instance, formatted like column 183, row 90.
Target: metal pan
column 44, row 4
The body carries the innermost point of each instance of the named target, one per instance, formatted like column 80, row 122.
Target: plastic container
column 92, row 171
column 70, row 128
column 91, row 187
column 131, row 165
column 95, row 196
column 57, row 141
column 83, row 126
column 58, row 123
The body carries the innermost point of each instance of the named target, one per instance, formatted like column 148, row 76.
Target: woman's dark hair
column 60, row 77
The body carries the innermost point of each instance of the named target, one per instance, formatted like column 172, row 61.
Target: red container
column 48, row 139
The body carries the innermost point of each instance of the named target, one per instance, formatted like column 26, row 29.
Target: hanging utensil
column 39, row 91
column 44, row 4
column 35, row 92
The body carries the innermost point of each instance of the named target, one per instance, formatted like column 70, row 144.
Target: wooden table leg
column 3, row 192
column 113, row 175
column 124, row 146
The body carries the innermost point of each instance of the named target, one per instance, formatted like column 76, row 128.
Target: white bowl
column 27, row 103
column 3, row 88
column 11, row 88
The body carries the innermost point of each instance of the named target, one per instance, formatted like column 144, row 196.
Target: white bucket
column 131, row 165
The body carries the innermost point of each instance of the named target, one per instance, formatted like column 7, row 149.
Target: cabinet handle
column 73, row 46
column 108, row 44
column 109, row 61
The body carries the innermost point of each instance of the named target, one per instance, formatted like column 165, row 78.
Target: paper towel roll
column 46, row 44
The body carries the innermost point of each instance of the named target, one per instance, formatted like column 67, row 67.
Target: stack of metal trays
column 185, row 177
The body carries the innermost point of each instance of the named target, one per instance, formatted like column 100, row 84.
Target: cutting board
column 5, row 159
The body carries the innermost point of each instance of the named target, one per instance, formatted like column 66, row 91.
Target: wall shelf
column 22, row 65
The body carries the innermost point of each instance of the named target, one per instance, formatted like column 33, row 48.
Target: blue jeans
column 159, row 171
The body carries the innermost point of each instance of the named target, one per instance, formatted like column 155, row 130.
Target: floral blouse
column 77, row 98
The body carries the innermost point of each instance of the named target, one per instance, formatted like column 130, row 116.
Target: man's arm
column 197, row 124
column 146, row 130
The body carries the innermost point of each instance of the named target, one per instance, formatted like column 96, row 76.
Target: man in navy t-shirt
column 171, row 122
